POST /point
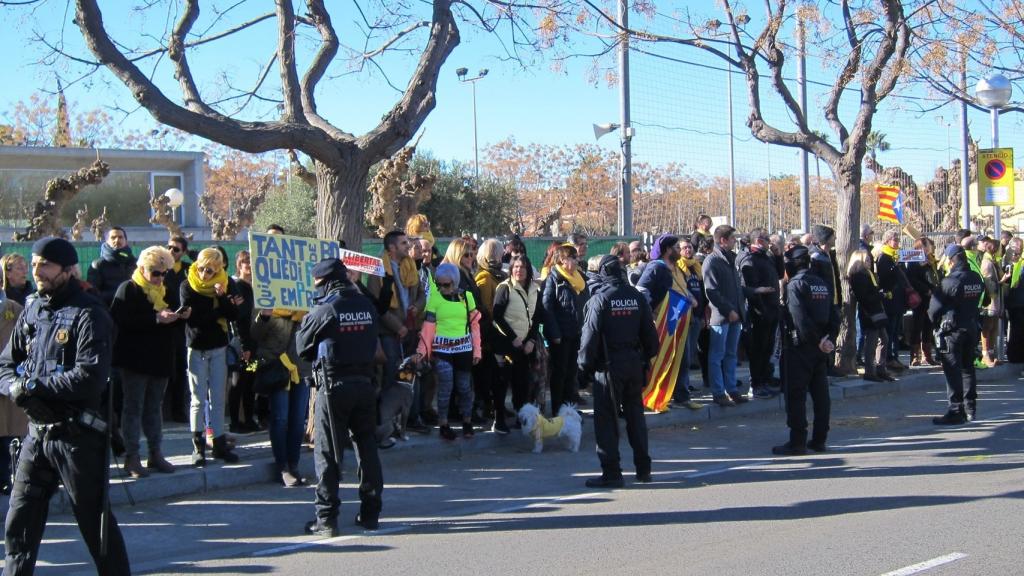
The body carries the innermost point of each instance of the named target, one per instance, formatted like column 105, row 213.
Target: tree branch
column 176, row 52
column 292, row 111
column 320, row 18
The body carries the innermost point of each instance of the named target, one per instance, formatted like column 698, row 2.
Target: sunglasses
column 157, row 273
column 207, row 270
column 469, row 255
column 174, row 249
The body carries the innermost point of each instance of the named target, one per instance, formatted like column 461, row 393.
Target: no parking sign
column 995, row 177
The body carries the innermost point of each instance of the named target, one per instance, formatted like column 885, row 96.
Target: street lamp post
column 461, row 73
column 994, row 93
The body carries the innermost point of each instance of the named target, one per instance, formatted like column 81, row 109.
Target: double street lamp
column 462, row 73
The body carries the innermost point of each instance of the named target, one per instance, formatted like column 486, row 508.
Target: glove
column 21, row 391
column 38, row 411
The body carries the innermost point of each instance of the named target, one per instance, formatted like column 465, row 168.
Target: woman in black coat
column 873, row 320
column 565, row 295
column 923, row 277
column 143, row 351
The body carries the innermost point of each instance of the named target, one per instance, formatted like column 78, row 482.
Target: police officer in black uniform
column 55, row 367
column 954, row 311
column 618, row 341
column 811, row 327
column 341, row 336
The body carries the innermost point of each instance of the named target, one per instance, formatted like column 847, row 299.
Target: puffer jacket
column 563, row 308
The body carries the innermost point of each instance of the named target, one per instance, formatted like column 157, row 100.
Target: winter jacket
column 868, row 297
column 722, row 286
column 142, row 344
column 563, row 308
column 757, row 270
column 517, row 314
column 13, row 421
column 203, row 331
column 893, row 284
column 109, row 270
column 271, row 334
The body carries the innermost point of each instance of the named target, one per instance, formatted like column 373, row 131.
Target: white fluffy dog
column 567, row 425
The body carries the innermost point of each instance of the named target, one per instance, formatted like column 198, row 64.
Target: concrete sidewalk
column 256, row 464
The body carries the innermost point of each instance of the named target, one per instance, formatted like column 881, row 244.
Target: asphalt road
column 894, row 491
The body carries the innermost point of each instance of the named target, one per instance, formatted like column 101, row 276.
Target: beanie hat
column 56, row 250
column 662, row 244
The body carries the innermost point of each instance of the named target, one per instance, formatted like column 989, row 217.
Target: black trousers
column 958, row 367
column 514, row 374
column 609, row 396
column 760, row 346
column 353, row 404
column 1015, row 336
column 563, row 372
column 77, row 460
column 805, row 371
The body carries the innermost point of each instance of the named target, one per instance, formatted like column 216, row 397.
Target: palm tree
column 876, row 143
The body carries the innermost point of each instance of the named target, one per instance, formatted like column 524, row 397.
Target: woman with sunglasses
column 143, row 353
column 206, row 294
column 451, row 340
column 14, row 278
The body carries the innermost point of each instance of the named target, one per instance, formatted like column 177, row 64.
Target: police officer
column 341, row 336
column 954, row 310
column 812, row 324
column 55, row 367
column 618, row 341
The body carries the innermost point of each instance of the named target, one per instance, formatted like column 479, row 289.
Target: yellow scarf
column 154, row 292
column 407, row 272
column 177, row 267
column 293, row 315
column 893, row 253
column 575, row 280
column 1015, row 278
column 871, row 275
column 205, row 288
column 544, row 271
column 689, row 266
column 293, row 370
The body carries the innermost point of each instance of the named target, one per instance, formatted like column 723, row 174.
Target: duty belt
column 85, row 419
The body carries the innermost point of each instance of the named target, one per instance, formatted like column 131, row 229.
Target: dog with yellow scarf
column 567, row 425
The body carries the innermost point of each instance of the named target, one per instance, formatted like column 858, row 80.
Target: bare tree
column 45, row 217
column 869, row 41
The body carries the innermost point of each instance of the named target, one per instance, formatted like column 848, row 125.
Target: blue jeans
column 722, row 357
column 447, row 377
column 288, row 424
column 207, row 379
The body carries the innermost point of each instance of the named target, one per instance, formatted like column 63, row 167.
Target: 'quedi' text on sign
column 282, row 266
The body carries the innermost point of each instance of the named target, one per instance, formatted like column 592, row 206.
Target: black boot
column 606, row 481
column 221, row 450
column 972, row 411
column 198, row 449
column 955, row 415
column 790, row 449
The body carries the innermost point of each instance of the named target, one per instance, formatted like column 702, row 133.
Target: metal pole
column 625, row 227
column 476, row 149
column 805, row 183
column 965, row 169
column 769, row 155
column 997, row 230
column 732, row 167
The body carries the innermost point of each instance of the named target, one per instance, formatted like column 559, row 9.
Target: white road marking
column 927, row 564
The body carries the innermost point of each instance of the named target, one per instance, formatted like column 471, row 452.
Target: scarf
column 874, row 281
column 293, row 315
column 293, row 370
column 110, row 255
column 891, row 252
column 154, row 292
column 408, row 276
column 576, row 280
column 1015, row 277
column 205, row 288
column 689, row 266
column 177, row 267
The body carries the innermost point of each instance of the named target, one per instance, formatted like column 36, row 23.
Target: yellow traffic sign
column 995, row 177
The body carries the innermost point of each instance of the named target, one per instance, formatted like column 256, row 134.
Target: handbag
column 913, row 298
column 271, row 376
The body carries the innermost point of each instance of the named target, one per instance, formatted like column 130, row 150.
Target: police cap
column 953, row 251
column 330, row 269
column 798, row 254
column 56, row 250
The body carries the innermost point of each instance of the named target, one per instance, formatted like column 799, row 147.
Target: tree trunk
column 847, row 240
column 341, row 202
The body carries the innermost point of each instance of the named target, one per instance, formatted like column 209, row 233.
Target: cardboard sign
column 362, row 262
column 914, row 255
column 282, row 266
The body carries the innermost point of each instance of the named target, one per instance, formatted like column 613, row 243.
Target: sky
column 678, row 105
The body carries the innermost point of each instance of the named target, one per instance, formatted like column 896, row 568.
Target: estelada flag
column 672, row 321
column 890, row 204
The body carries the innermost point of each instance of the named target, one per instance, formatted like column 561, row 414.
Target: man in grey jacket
column 725, row 296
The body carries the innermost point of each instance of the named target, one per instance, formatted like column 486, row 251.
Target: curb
column 257, row 465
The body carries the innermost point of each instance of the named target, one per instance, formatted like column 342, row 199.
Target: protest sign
column 914, row 255
column 281, row 269
column 362, row 262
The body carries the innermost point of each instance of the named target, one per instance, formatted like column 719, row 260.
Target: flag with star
column 890, row 204
column 672, row 322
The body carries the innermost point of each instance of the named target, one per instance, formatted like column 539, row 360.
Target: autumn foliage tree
column 236, row 185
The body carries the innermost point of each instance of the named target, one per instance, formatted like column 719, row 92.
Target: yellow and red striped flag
column 890, row 204
column 672, row 322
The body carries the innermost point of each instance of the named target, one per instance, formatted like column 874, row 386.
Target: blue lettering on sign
column 261, row 268
column 271, row 250
column 265, row 299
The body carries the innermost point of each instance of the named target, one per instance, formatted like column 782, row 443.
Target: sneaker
column 644, row 477
column 972, row 412
column 467, row 430
column 320, row 528
column 763, row 393
column 739, row 398
column 950, row 418
column 724, row 401
column 500, row 427
column 367, row 523
column 689, row 404
column 605, row 482
column 789, row 449
column 447, row 433
column 290, row 480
